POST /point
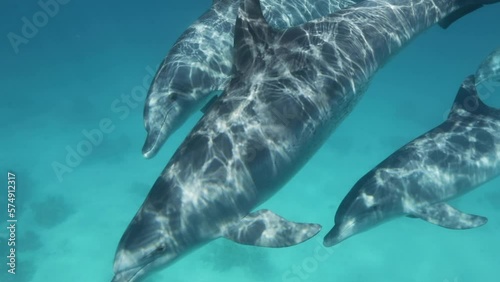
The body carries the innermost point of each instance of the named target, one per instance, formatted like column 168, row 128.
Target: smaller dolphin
column 446, row 162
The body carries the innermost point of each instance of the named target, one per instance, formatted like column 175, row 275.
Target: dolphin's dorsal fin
column 251, row 37
column 467, row 100
column 489, row 70
column 264, row 228
column 447, row 216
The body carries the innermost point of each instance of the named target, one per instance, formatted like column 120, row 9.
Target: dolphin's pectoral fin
column 264, row 228
column 447, row 216
column 458, row 14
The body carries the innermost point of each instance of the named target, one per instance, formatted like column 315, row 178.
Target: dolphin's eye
column 161, row 248
column 158, row 251
column 376, row 209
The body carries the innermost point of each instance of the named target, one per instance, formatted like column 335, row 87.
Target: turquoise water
column 74, row 70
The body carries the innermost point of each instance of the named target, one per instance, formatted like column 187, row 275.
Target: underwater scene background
column 78, row 69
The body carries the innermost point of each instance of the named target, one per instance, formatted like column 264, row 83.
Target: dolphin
column 442, row 164
column 289, row 89
column 200, row 62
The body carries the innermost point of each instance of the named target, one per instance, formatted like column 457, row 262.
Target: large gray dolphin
column 289, row 90
column 444, row 163
column 200, row 62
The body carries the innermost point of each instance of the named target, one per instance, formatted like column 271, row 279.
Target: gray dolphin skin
column 201, row 60
column 489, row 69
column 289, row 90
column 444, row 163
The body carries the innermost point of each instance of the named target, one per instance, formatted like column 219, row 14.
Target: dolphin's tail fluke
column 465, row 10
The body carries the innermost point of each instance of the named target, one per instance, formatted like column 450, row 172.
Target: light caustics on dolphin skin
column 448, row 161
column 489, row 70
column 200, row 62
column 288, row 92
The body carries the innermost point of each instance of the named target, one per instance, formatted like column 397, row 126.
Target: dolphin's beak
column 154, row 141
column 156, row 137
column 126, row 268
column 338, row 234
column 129, row 275
column 151, row 146
column 332, row 238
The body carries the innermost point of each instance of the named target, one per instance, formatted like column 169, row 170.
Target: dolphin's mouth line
column 157, row 138
column 343, row 230
column 348, row 226
column 136, row 269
